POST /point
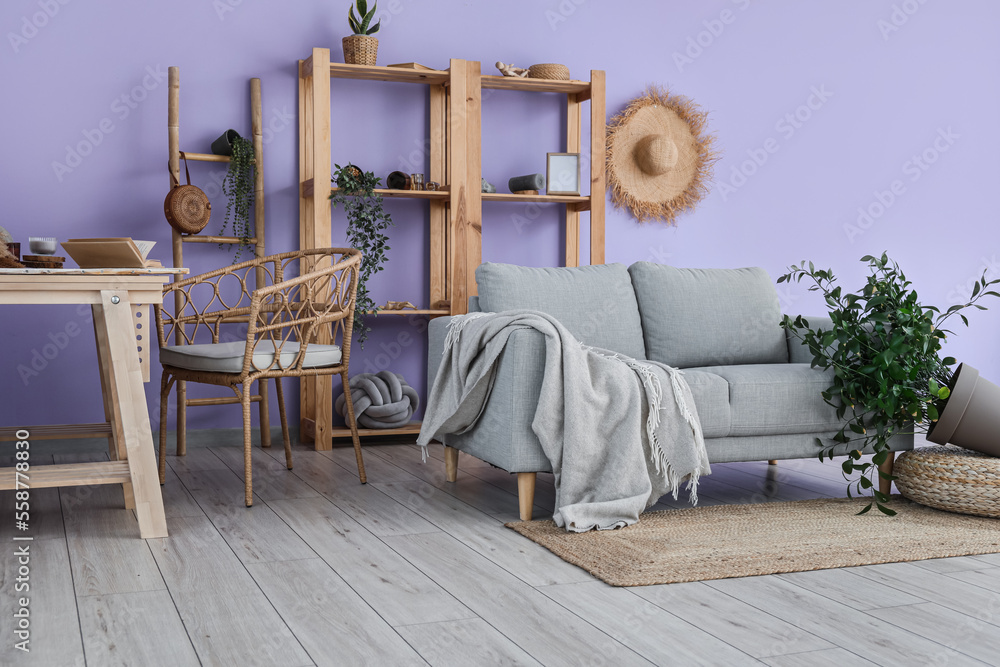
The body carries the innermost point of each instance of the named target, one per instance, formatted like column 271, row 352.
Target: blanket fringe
column 654, row 397
column 455, row 326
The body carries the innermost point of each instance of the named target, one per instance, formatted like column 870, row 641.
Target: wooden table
column 120, row 299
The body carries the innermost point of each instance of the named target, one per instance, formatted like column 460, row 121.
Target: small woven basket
column 360, row 49
column 549, row 71
column 951, row 479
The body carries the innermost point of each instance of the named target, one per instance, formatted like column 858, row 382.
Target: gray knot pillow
column 381, row 400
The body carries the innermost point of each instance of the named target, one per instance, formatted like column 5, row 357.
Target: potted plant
column 366, row 225
column 238, row 186
column 361, row 48
column 884, row 348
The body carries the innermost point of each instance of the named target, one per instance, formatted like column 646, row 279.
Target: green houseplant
column 238, row 186
column 360, row 48
column 884, row 348
column 366, row 225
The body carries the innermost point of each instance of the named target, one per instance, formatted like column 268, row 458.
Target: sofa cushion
column 709, row 317
column 595, row 303
column 711, row 399
column 774, row 399
column 228, row 357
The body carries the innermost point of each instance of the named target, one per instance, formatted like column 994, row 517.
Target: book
column 111, row 253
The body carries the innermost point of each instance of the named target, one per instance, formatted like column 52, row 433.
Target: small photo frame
column 562, row 173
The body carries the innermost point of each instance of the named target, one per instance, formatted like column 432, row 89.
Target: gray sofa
column 755, row 392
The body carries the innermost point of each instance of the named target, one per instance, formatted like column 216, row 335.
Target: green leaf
column 374, row 29
column 944, row 393
column 864, row 510
column 885, row 510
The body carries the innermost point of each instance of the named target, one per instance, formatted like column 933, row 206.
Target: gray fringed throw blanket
column 620, row 433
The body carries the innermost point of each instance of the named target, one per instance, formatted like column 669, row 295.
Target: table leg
column 116, row 441
column 122, row 362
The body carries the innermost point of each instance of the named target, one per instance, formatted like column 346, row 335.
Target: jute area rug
column 725, row 541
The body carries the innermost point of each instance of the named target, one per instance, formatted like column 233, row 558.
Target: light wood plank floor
column 413, row 570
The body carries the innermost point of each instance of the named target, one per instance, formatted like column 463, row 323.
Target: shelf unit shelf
column 578, row 202
column 455, row 158
column 568, row 87
column 413, row 428
column 394, row 74
column 433, row 312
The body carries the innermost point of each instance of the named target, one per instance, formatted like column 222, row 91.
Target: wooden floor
column 413, row 570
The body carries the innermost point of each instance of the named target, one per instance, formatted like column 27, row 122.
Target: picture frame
column 562, row 173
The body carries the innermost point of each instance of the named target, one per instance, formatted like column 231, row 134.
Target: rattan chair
column 295, row 327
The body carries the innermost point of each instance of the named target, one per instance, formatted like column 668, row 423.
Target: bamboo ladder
column 173, row 137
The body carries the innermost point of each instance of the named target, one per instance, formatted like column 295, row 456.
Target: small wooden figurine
column 510, row 70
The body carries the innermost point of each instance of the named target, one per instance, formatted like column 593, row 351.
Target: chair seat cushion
column 228, row 357
column 774, row 399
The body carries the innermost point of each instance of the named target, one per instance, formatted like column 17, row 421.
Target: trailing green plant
column 888, row 375
column 360, row 23
column 238, row 186
column 366, row 225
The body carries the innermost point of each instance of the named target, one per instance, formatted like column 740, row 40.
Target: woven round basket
column 360, row 49
column 187, row 209
column 549, row 71
column 951, row 479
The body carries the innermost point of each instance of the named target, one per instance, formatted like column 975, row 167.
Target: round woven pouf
column 951, row 479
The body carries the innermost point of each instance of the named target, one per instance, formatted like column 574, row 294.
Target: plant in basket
column 361, row 48
column 888, row 375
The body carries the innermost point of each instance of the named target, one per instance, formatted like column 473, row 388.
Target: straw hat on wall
column 659, row 158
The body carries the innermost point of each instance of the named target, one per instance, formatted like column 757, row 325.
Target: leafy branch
column 366, row 225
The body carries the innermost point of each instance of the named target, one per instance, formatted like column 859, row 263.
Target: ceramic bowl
column 42, row 245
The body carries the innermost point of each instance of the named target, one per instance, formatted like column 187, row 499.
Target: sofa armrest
column 436, row 332
column 502, row 436
column 798, row 352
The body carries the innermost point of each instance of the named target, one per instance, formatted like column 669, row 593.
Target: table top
column 93, row 272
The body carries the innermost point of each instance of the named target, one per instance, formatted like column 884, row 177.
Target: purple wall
column 903, row 96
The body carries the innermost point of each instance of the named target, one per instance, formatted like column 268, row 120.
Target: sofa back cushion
column 709, row 317
column 595, row 303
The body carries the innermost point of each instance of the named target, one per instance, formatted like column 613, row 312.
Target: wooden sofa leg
column 450, row 463
column 772, row 462
column 526, row 494
column 885, row 485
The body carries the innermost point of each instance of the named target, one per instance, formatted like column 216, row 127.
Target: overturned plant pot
column 971, row 417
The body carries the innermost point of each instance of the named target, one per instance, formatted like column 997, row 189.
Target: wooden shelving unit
column 455, row 227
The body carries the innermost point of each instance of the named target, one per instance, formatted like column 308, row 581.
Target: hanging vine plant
column 366, row 225
column 238, row 186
